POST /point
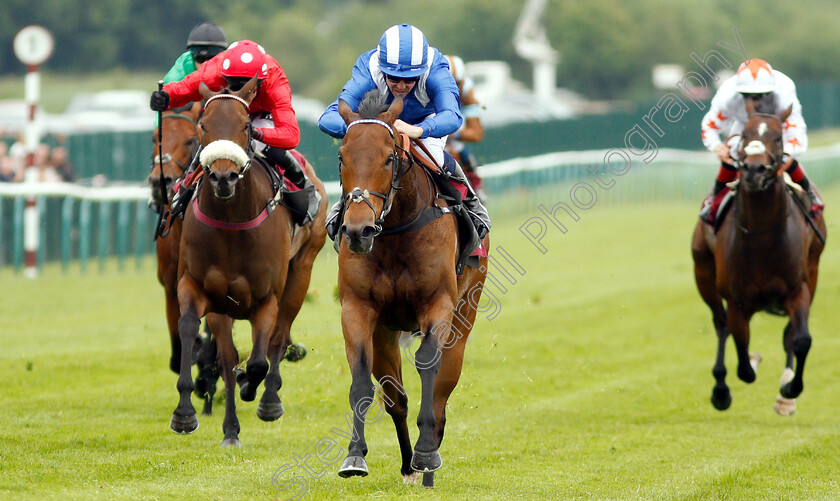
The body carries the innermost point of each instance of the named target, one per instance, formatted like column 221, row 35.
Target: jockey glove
column 257, row 134
column 159, row 100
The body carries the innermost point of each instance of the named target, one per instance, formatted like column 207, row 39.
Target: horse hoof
column 784, row 406
column 183, row 425
column 411, row 478
column 270, row 411
column 429, row 479
column 295, row 352
column 426, row 461
column 231, row 442
column 353, row 466
column 721, row 400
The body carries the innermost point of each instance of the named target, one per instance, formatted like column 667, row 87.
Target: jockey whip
column 163, row 196
column 808, row 217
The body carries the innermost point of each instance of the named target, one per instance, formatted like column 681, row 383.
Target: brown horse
column 241, row 257
column 763, row 258
column 180, row 137
column 405, row 282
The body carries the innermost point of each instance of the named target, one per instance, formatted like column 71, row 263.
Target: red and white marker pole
column 32, row 137
column 32, row 45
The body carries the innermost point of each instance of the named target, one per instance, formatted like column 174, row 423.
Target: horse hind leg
column 262, row 326
column 797, row 342
column 206, row 360
column 228, row 359
column 387, row 369
column 270, row 407
column 281, row 346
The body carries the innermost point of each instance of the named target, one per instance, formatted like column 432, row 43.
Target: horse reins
column 163, row 196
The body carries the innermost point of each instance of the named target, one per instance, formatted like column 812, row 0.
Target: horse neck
column 411, row 198
column 761, row 209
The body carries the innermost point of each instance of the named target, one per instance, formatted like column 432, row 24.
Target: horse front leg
column 357, row 323
column 262, row 326
column 184, row 419
column 797, row 341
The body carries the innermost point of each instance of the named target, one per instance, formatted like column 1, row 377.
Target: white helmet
column 755, row 77
column 456, row 66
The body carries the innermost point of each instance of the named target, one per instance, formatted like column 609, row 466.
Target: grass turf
column 592, row 382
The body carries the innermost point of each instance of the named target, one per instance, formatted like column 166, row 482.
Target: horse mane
column 372, row 105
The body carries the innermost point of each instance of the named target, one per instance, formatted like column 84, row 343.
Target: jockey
column 471, row 131
column 205, row 41
column 772, row 92
column 404, row 64
column 275, row 129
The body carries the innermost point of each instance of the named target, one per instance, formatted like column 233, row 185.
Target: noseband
column 358, row 195
column 226, row 149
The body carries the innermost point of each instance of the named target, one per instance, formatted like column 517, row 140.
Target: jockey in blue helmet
column 404, row 64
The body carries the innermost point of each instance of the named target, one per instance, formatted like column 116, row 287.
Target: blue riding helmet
column 403, row 51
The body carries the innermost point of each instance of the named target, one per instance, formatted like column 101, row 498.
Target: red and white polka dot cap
column 245, row 59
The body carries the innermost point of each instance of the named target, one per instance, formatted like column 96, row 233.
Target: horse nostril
column 232, row 177
column 368, row 232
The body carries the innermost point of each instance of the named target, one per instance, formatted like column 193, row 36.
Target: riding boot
column 706, row 211
column 473, row 204
column 307, row 200
column 817, row 205
column 334, row 219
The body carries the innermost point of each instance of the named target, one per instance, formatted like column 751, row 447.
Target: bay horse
column 764, row 257
column 406, row 282
column 174, row 148
column 241, row 257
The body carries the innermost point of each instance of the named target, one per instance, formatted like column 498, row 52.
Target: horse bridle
column 167, row 158
column 774, row 159
column 249, row 151
column 358, row 195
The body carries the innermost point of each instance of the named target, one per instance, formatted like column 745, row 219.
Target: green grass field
column 593, row 382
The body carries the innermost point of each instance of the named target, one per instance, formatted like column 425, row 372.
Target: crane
column 532, row 44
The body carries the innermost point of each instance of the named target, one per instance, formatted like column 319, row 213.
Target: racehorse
column 180, row 135
column 241, row 257
column 764, row 257
column 405, row 282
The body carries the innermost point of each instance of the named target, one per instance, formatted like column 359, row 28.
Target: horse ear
column 394, row 111
column 346, row 112
column 786, row 113
column 248, row 91
column 205, row 91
